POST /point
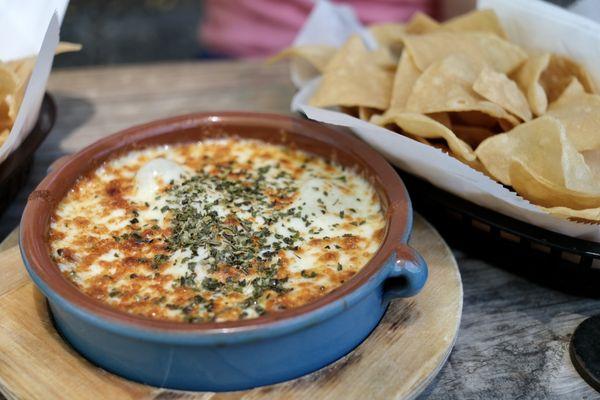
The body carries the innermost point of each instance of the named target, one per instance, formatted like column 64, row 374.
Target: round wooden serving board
column 397, row 361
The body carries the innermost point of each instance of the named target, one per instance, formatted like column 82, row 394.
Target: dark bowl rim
column 42, row 201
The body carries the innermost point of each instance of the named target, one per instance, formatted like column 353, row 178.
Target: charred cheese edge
column 217, row 230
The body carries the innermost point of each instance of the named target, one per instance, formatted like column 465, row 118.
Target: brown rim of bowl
column 303, row 134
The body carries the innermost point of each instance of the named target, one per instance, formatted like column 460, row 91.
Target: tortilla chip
column 574, row 88
column 443, row 118
column 354, row 78
column 421, row 23
column 352, row 111
column 499, row 54
column 23, row 69
column 4, row 111
column 538, row 190
column 9, row 90
column 477, row 20
column 365, row 113
column 5, row 121
column 591, row 215
column 9, row 80
column 592, row 160
column 14, row 77
column 406, row 74
column 528, row 78
column 428, row 128
column 383, row 58
column 580, row 115
column 543, row 145
column 473, row 135
column 390, row 35
column 424, row 141
column 498, row 88
column 316, row 55
column 505, row 126
column 3, row 136
column 67, row 47
column 438, row 144
column 545, row 77
column 474, row 118
column 446, row 86
column 558, row 74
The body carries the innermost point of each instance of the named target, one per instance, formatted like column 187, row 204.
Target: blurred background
column 134, row 31
column 130, row 31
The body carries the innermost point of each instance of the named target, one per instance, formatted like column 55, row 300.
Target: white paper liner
column 36, row 24
column 538, row 22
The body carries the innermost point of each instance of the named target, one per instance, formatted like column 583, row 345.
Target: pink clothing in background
column 253, row 28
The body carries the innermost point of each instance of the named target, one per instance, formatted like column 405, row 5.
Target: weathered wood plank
column 396, row 361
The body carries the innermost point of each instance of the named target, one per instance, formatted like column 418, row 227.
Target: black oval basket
column 559, row 261
column 15, row 169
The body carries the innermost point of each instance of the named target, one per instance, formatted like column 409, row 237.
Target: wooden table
column 514, row 334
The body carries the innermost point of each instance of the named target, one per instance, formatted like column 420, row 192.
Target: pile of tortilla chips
column 529, row 120
column 14, row 76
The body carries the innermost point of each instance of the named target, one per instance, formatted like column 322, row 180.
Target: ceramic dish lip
column 41, row 203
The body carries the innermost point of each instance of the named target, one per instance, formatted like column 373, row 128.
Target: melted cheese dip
column 217, row 230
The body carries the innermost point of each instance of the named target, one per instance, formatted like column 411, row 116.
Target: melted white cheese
column 155, row 175
column 328, row 204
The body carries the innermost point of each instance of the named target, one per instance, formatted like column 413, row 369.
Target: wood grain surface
column 396, row 361
column 514, row 335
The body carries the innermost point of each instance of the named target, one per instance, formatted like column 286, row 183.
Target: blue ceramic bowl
column 239, row 354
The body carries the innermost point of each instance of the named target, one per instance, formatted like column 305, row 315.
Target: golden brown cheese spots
column 216, row 230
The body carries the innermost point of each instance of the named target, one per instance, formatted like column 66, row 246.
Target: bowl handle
column 408, row 274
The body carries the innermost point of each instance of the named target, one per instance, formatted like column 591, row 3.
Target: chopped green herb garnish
column 305, row 274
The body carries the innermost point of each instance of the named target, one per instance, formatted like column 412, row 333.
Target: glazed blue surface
column 235, row 360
